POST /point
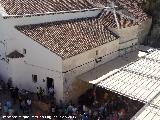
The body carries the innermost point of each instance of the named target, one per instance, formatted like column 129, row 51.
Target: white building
column 41, row 47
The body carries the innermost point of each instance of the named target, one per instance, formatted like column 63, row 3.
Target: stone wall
column 78, row 88
column 143, row 30
column 82, row 63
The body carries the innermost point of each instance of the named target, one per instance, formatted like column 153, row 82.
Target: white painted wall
column 22, row 77
column 40, row 61
column 4, row 70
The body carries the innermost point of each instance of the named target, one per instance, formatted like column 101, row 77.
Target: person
column 15, row 94
column 5, row 108
column 115, row 115
column 9, row 83
column 85, row 109
column 23, row 105
column 29, row 102
column 10, row 111
column 11, row 90
column 74, row 110
column 15, row 113
column 16, row 91
column 3, row 86
column 85, row 117
column 38, row 95
column 37, row 115
column 53, row 111
column 1, row 89
column 102, row 110
column 9, row 105
column 0, row 107
column 94, row 92
column 70, row 109
column 1, row 81
column 20, row 100
column 51, row 92
column 61, row 105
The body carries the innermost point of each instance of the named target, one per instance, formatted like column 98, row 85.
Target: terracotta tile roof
column 69, row 38
column 128, row 13
column 126, row 7
column 131, row 7
column 107, row 18
column 20, row 7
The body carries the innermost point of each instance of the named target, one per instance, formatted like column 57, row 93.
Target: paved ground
column 107, row 68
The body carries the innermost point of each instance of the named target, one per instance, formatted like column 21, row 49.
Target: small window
column 24, row 51
column 34, row 78
column 96, row 52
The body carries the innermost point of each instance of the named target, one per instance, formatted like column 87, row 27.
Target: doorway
column 50, row 82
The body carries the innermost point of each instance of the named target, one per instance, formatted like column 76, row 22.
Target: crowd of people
column 90, row 105
column 17, row 96
column 21, row 98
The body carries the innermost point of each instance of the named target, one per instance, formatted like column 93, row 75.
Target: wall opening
column 24, row 51
column 34, row 78
column 50, row 82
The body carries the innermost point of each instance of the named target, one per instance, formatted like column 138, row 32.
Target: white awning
column 156, row 102
column 132, row 85
column 154, row 55
column 149, row 113
column 139, row 80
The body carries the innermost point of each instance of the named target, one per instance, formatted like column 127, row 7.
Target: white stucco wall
column 22, row 77
column 38, row 60
column 4, row 71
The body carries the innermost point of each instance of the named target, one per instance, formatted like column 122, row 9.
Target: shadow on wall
column 78, row 88
column 1, row 77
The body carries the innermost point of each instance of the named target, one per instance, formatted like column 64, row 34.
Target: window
column 34, row 78
column 96, row 52
column 98, row 59
column 24, row 51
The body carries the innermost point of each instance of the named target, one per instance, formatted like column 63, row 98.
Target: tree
column 150, row 6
